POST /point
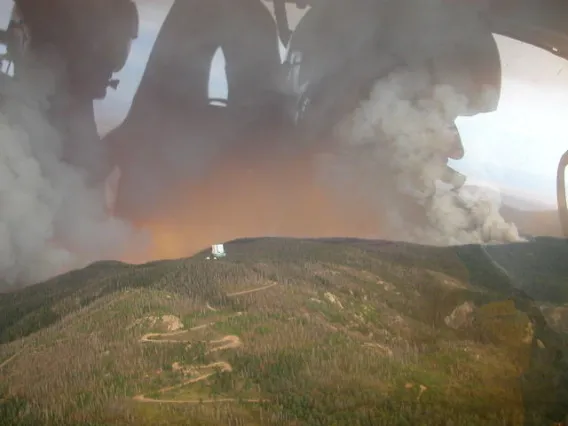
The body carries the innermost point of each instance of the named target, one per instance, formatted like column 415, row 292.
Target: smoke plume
column 393, row 151
column 51, row 220
column 379, row 179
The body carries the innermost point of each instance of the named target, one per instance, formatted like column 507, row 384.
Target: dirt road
column 232, row 342
column 6, row 362
column 224, row 367
column 226, row 342
column 252, row 290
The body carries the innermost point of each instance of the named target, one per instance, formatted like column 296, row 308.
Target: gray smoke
column 392, row 153
column 50, row 219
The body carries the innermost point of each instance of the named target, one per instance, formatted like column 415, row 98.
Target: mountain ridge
column 382, row 332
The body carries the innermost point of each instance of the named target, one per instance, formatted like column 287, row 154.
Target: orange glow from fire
column 276, row 199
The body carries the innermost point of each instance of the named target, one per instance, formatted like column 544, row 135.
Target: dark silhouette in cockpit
column 178, row 68
column 85, row 43
column 337, row 65
column 171, row 112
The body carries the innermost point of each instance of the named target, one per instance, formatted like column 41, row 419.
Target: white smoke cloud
column 50, row 219
column 392, row 152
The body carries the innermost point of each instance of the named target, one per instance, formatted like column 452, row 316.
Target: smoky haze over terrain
column 52, row 221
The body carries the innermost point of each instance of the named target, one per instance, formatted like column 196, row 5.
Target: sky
column 515, row 148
